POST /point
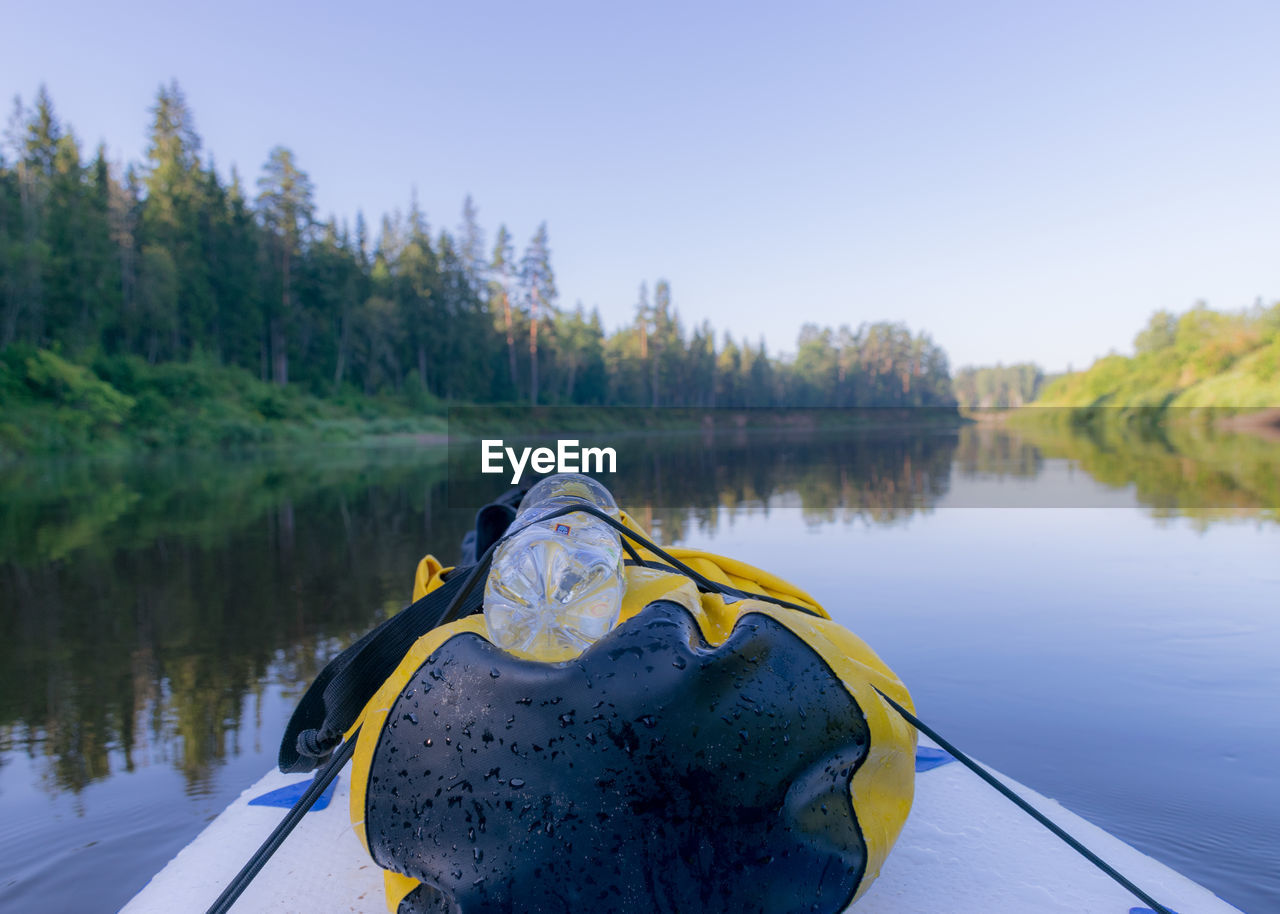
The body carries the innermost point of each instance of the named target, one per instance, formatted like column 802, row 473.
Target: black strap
column 334, row 701
column 633, row 556
column 1025, row 806
column 491, row 522
column 330, row 707
column 649, row 563
column 705, row 584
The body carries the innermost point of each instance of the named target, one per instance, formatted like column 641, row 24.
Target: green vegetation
column 998, row 387
column 117, row 402
column 164, row 303
column 1229, row 362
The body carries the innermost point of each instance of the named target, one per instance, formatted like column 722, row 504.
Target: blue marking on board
column 285, row 797
column 927, row 759
column 1149, row 911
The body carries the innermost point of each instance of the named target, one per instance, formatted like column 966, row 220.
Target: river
column 1095, row 614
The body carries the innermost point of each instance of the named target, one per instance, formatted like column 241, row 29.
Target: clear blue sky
column 1024, row 180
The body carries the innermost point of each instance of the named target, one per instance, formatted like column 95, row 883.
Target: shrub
column 85, row 398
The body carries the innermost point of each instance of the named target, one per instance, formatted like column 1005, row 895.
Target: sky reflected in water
column 1119, row 655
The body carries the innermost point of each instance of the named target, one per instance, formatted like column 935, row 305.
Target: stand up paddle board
column 964, row 850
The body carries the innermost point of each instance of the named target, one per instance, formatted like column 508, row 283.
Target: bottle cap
column 565, row 486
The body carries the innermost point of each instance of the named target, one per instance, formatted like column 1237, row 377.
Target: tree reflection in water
column 149, row 604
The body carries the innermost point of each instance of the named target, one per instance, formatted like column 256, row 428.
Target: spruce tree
column 501, row 269
column 286, row 210
column 470, row 244
column 171, row 222
column 539, row 285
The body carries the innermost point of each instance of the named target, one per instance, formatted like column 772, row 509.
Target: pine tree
column 668, row 357
column 353, row 291
column 701, row 389
column 34, row 135
column 644, row 316
column 539, row 286
column 657, row 344
column 580, row 351
column 11, row 253
column 286, row 210
column 470, row 246
column 729, row 390
column 416, row 270
column 377, row 328
column 124, row 219
column 760, row 377
column 473, row 350
column 501, row 267
column 171, row 220
column 239, row 331
column 100, row 297
column 64, row 234
column 634, row 366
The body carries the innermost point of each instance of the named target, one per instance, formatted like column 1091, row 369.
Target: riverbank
column 466, row 422
column 52, row 406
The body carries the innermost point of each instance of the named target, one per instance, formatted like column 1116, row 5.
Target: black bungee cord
column 325, row 777
column 322, row 780
column 1025, row 806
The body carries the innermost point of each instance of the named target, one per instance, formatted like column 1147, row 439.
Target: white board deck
column 964, row 850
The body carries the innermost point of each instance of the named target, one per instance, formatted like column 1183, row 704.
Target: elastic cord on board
column 322, row 780
column 1025, row 806
column 325, row 777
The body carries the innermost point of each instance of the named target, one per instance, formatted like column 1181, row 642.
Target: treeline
column 999, row 386
column 167, row 261
column 1201, row 358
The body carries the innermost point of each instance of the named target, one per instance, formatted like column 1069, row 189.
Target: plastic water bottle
column 556, row 587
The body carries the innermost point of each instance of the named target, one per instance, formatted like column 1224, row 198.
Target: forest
column 999, row 386
column 1219, row 361
column 133, row 294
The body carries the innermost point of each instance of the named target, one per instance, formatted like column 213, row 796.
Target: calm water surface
column 1097, row 617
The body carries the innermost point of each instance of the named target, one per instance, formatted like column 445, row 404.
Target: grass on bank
column 49, row 404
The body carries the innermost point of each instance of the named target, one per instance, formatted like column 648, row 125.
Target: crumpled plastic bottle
column 556, row 587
